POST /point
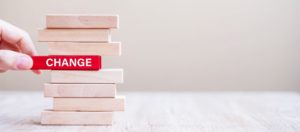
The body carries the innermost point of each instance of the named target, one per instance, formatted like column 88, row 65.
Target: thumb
column 10, row 60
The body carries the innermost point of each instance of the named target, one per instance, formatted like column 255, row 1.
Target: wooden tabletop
column 169, row 111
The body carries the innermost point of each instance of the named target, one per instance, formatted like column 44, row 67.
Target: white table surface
column 169, row 111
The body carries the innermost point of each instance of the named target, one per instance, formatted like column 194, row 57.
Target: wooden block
column 89, row 104
column 73, row 48
column 74, row 35
column 49, row 117
column 80, row 90
column 101, row 76
column 82, row 21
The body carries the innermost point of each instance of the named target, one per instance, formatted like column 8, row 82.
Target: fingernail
column 23, row 63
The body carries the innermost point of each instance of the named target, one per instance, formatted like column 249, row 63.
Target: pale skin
column 16, row 47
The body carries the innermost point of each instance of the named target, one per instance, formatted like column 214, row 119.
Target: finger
column 18, row 37
column 1, row 71
column 7, row 46
column 14, row 35
column 10, row 60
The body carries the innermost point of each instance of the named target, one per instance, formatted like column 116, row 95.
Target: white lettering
column 65, row 63
column 81, row 62
column 47, row 62
column 88, row 62
column 72, row 62
column 57, row 62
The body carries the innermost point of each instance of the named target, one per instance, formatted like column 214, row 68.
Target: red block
column 66, row 62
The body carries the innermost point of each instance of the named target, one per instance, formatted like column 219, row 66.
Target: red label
column 66, row 62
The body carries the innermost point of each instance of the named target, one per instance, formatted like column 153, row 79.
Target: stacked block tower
column 82, row 97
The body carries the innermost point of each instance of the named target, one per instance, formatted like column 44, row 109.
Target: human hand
column 16, row 47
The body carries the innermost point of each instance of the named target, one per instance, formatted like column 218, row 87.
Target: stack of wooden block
column 82, row 97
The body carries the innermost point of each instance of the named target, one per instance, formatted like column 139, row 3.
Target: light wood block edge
column 74, row 35
column 101, row 76
column 89, row 104
column 80, row 90
column 50, row 117
column 82, row 21
column 81, row 48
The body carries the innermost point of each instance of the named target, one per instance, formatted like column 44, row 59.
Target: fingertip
column 24, row 62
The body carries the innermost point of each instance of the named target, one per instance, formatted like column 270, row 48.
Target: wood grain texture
column 79, row 90
column 101, row 76
column 49, row 117
column 82, row 21
column 169, row 111
column 73, row 48
column 89, row 104
column 74, row 35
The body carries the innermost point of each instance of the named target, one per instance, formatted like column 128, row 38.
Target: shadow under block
column 101, row 76
column 80, row 90
column 74, row 35
column 49, row 117
column 82, row 21
column 89, row 104
column 77, row 48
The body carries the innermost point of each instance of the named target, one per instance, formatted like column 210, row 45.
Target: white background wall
column 182, row 44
